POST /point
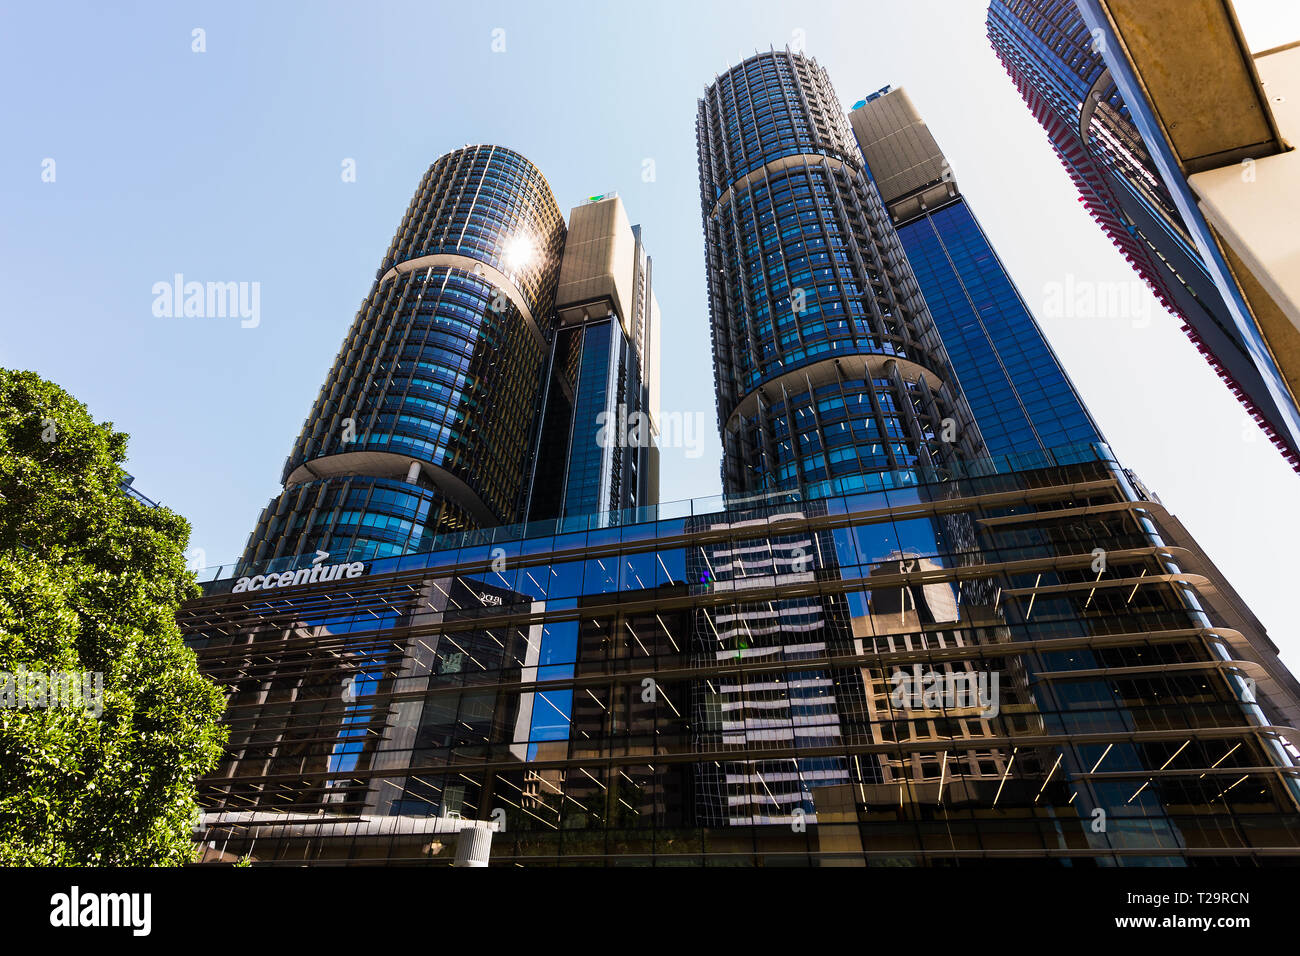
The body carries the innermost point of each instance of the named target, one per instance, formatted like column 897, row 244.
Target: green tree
column 90, row 581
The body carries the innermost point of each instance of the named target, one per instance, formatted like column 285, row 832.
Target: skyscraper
column 1020, row 395
column 399, row 445
column 597, row 450
column 791, row 222
column 466, row 395
column 826, row 360
column 827, row 365
column 1230, row 306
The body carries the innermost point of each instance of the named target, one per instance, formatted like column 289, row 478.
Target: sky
column 227, row 164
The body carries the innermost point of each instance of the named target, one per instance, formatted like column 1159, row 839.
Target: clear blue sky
column 225, row 166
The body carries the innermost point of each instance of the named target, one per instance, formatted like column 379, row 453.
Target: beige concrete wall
column 898, row 147
column 1253, row 207
column 650, row 357
column 599, row 257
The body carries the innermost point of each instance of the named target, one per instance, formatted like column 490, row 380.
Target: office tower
column 597, row 450
column 1164, row 128
column 425, row 423
column 827, row 365
column 466, row 395
column 826, row 361
column 959, row 659
column 1020, row 395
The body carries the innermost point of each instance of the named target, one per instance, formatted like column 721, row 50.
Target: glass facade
column 826, row 360
column 598, row 442
column 426, row 421
column 1016, row 388
column 581, row 469
column 928, row 674
column 582, row 490
column 881, row 646
column 1060, row 71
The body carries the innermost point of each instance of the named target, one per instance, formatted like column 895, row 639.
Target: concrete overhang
column 1198, row 75
column 395, row 467
column 1217, row 121
column 826, row 370
column 775, row 166
column 475, row 267
column 1253, row 207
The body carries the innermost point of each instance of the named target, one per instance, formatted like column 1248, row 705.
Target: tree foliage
column 90, row 581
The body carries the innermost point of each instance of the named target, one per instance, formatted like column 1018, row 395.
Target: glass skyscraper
column 827, row 365
column 425, row 423
column 597, row 450
column 1058, row 66
column 1020, row 395
column 935, row 656
column 826, row 361
column 494, row 372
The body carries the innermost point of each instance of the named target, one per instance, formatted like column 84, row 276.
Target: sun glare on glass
column 519, row 252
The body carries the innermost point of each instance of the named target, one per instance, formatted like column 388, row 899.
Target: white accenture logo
column 102, row 909
column 313, row 575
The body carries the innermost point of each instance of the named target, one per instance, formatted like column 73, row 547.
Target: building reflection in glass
column 722, row 688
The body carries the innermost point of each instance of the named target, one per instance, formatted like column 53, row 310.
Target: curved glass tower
column 826, row 360
column 424, row 423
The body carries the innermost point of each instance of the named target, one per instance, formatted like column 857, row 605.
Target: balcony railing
column 730, row 505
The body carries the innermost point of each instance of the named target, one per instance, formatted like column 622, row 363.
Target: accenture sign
column 316, row 574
